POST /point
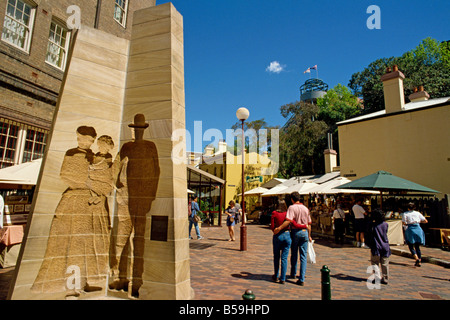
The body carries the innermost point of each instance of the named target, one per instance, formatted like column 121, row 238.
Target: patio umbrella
column 385, row 181
column 300, row 187
column 24, row 174
column 274, row 191
column 256, row 191
column 334, row 187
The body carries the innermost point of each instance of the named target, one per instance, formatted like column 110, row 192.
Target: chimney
column 222, row 146
column 394, row 96
column 330, row 160
column 209, row 150
column 419, row 95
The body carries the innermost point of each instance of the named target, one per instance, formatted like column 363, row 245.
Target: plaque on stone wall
column 159, row 228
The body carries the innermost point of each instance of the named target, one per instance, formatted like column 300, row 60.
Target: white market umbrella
column 274, row 191
column 255, row 192
column 24, row 174
column 190, row 191
column 302, row 186
column 332, row 187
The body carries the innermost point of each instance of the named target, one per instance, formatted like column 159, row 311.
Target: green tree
column 256, row 140
column 337, row 105
column 300, row 138
column 428, row 65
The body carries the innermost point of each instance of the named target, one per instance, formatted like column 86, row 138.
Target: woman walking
column 231, row 212
column 378, row 242
column 414, row 235
column 281, row 242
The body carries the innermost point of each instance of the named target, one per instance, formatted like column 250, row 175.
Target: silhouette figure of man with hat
column 138, row 173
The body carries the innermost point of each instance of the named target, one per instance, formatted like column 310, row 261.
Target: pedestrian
column 378, row 242
column 238, row 212
column 414, row 234
column 195, row 210
column 339, row 226
column 281, row 242
column 360, row 223
column 231, row 213
column 298, row 213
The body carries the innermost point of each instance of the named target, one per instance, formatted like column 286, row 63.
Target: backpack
column 190, row 209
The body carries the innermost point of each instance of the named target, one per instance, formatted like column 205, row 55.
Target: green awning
column 385, row 181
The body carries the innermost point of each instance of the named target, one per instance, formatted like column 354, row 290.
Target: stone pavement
column 220, row 271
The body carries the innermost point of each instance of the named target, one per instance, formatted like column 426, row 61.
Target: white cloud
column 275, row 67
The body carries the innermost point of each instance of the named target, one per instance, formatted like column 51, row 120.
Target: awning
column 23, row 174
column 274, row 191
column 253, row 192
column 385, row 181
column 334, row 187
column 300, row 187
column 197, row 178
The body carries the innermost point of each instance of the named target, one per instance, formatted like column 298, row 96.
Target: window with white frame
column 20, row 143
column 58, row 45
column 18, row 24
column 120, row 12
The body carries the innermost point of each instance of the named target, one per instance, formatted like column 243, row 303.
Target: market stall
column 10, row 242
column 386, row 184
column 323, row 199
column 17, row 185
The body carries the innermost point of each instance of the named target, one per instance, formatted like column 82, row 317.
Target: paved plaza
column 220, row 271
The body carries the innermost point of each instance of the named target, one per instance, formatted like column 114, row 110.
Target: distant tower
column 312, row 90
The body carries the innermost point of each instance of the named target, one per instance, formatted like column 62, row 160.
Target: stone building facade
column 35, row 41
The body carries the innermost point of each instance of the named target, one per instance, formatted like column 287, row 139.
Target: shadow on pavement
column 341, row 276
column 252, row 276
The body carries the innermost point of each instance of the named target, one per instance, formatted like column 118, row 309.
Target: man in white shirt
column 360, row 214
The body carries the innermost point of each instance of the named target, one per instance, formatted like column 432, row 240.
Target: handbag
column 311, row 253
column 197, row 218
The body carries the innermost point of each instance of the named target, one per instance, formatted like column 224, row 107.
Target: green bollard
column 248, row 295
column 326, row 283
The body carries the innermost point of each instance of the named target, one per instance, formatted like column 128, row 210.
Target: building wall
column 232, row 174
column 29, row 87
column 413, row 145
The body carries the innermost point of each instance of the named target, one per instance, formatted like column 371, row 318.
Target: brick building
column 34, row 44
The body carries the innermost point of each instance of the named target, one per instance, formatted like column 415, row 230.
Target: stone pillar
column 133, row 92
column 155, row 89
column 92, row 96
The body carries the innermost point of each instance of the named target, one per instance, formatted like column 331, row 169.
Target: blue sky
column 229, row 44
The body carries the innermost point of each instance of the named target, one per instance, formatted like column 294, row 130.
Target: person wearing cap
column 137, row 171
column 414, row 235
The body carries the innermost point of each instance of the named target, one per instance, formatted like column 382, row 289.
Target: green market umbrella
column 385, row 181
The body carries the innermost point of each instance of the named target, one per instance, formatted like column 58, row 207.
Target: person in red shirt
column 281, row 241
column 299, row 214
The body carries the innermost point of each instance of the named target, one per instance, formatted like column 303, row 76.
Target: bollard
column 248, row 295
column 326, row 284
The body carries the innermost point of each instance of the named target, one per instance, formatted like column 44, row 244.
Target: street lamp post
column 242, row 114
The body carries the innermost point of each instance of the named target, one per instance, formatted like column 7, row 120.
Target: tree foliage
column 337, row 105
column 300, row 138
column 256, row 140
column 427, row 65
